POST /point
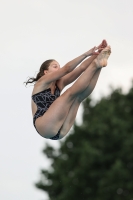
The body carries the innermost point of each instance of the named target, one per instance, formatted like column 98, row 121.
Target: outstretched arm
column 72, row 76
column 66, row 69
column 71, row 65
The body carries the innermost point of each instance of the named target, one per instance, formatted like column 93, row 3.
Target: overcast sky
column 32, row 31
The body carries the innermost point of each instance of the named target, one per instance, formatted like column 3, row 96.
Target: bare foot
column 101, row 60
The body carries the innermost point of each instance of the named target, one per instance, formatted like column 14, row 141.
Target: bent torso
column 39, row 87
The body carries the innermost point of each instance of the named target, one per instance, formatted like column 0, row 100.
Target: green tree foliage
column 96, row 160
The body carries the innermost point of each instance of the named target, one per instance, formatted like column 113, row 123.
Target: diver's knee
column 69, row 94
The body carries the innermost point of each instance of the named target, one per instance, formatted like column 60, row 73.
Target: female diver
column 54, row 114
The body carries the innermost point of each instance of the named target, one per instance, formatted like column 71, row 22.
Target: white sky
column 32, row 31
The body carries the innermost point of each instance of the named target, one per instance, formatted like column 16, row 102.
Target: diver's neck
column 53, row 84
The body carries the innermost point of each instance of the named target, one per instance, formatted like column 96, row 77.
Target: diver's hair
column 44, row 66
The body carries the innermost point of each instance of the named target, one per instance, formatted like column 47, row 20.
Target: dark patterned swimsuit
column 43, row 100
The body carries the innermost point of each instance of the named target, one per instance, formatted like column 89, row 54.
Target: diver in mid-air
column 54, row 113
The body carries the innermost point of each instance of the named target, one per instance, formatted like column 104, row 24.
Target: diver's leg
column 91, row 86
column 69, row 121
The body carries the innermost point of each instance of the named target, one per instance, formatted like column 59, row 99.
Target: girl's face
column 54, row 66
